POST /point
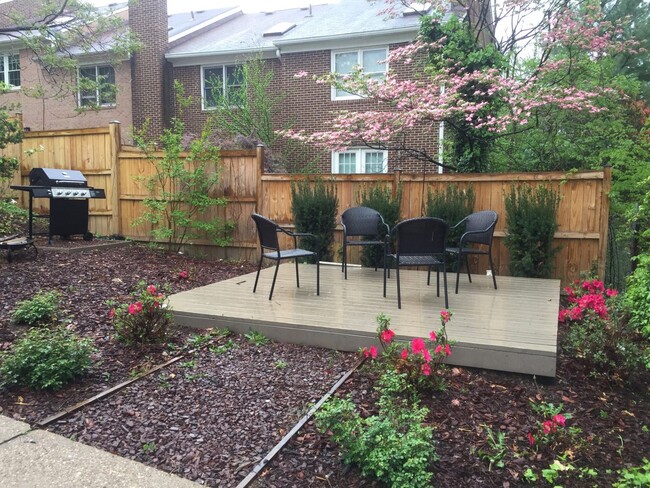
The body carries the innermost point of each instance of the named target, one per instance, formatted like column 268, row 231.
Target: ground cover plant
column 487, row 428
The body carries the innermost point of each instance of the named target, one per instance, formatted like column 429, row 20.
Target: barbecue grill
column 69, row 193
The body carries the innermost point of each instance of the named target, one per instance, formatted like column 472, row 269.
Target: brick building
column 195, row 47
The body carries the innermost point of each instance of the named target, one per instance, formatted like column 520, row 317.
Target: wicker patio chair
column 267, row 231
column 420, row 242
column 479, row 229
column 366, row 223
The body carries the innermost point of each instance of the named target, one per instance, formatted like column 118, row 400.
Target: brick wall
column 148, row 20
column 308, row 106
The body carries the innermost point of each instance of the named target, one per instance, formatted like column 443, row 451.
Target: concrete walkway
column 37, row 458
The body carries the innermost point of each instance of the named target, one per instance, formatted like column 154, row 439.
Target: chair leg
column 385, row 270
column 437, row 281
column 297, row 276
column 467, row 266
column 494, row 279
column 399, row 295
column 257, row 277
column 317, row 276
column 344, row 266
column 458, row 265
column 429, row 276
column 275, row 275
column 444, row 278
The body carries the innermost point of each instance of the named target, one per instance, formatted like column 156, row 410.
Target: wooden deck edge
column 499, row 358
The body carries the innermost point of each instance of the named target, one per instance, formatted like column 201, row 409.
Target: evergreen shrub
column 380, row 199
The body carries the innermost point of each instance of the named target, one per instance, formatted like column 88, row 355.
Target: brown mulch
column 213, row 415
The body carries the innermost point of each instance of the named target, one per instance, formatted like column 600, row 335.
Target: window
column 97, row 86
column 360, row 160
column 10, row 69
column 216, row 90
column 370, row 60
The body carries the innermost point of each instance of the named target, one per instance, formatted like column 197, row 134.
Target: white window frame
column 360, row 160
column 5, row 60
column 224, row 78
column 97, row 98
column 359, row 53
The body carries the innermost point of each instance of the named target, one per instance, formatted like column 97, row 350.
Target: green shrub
column 41, row 309
column 452, row 205
column 634, row 476
column 530, row 227
column 314, row 207
column 637, row 295
column 380, row 199
column 12, row 217
column 46, row 359
column 394, row 446
column 147, row 319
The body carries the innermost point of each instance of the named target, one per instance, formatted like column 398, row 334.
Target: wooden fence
column 97, row 153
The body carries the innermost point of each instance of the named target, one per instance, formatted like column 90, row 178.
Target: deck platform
column 511, row 329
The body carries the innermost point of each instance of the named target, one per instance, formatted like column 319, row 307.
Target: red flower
column 438, row 349
column 417, row 345
column 531, row 439
column 387, row 336
column 426, row 369
column 549, row 426
column 427, row 355
column 405, row 354
column 433, row 336
column 111, row 314
column 445, row 316
column 183, row 275
column 559, row 419
column 564, row 313
column 611, row 293
column 151, row 289
column 447, row 350
column 133, row 309
column 372, row 352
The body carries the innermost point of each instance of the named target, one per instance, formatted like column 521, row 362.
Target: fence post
column 396, row 179
column 258, row 185
column 604, row 220
column 115, row 144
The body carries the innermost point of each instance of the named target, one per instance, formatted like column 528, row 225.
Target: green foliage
column 220, row 349
column 382, row 200
column 314, row 207
column 149, row 447
column 394, row 446
column 637, row 295
column 530, row 227
column 46, row 359
column 257, row 338
column 634, row 476
column 495, row 449
column 147, row 319
column 12, row 217
column 182, row 185
column 41, row 309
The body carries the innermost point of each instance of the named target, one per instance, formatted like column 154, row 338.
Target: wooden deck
column 512, row 329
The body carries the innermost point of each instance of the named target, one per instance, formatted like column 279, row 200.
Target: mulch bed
column 214, row 414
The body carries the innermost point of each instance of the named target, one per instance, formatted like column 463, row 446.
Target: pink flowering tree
column 421, row 359
column 480, row 90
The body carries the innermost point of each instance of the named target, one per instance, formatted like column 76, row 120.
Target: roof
column 326, row 26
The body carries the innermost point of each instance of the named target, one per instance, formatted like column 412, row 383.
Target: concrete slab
column 10, row 428
column 44, row 459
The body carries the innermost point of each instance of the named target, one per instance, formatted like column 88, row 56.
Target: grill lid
column 56, row 177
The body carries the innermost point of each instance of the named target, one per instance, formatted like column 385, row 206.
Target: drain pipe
column 441, row 138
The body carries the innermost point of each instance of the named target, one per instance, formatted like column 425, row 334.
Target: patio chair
column 267, row 231
column 420, row 242
column 479, row 229
column 365, row 223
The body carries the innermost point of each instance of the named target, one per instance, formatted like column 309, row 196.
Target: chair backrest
column 267, row 231
column 421, row 236
column 482, row 225
column 361, row 221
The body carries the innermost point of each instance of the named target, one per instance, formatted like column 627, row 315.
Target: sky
column 177, row 6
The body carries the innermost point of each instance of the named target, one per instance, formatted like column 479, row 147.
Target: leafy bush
column 530, row 227
column 598, row 332
column 393, row 445
column 12, row 217
column 634, row 476
column 46, row 359
column 380, row 199
column 147, row 319
column 637, row 295
column 41, row 309
column 314, row 207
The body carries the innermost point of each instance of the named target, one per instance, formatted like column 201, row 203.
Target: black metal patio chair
column 367, row 224
column 420, row 242
column 268, row 231
column 479, row 229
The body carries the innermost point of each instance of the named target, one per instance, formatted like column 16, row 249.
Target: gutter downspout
column 441, row 137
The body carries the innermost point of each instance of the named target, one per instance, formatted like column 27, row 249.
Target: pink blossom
column 300, row 74
column 417, row 345
column 447, row 350
column 135, row 308
column 372, row 352
column 387, row 336
column 559, row 419
column 426, row 355
column 611, row 293
column 183, row 275
column 531, row 439
column 445, row 316
column 151, row 289
column 549, row 426
column 438, row 349
column 426, row 369
column 405, row 354
column 433, row 336
column 111, row 314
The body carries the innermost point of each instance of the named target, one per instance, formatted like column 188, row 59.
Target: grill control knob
column 75, row 192
column 67, row 193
